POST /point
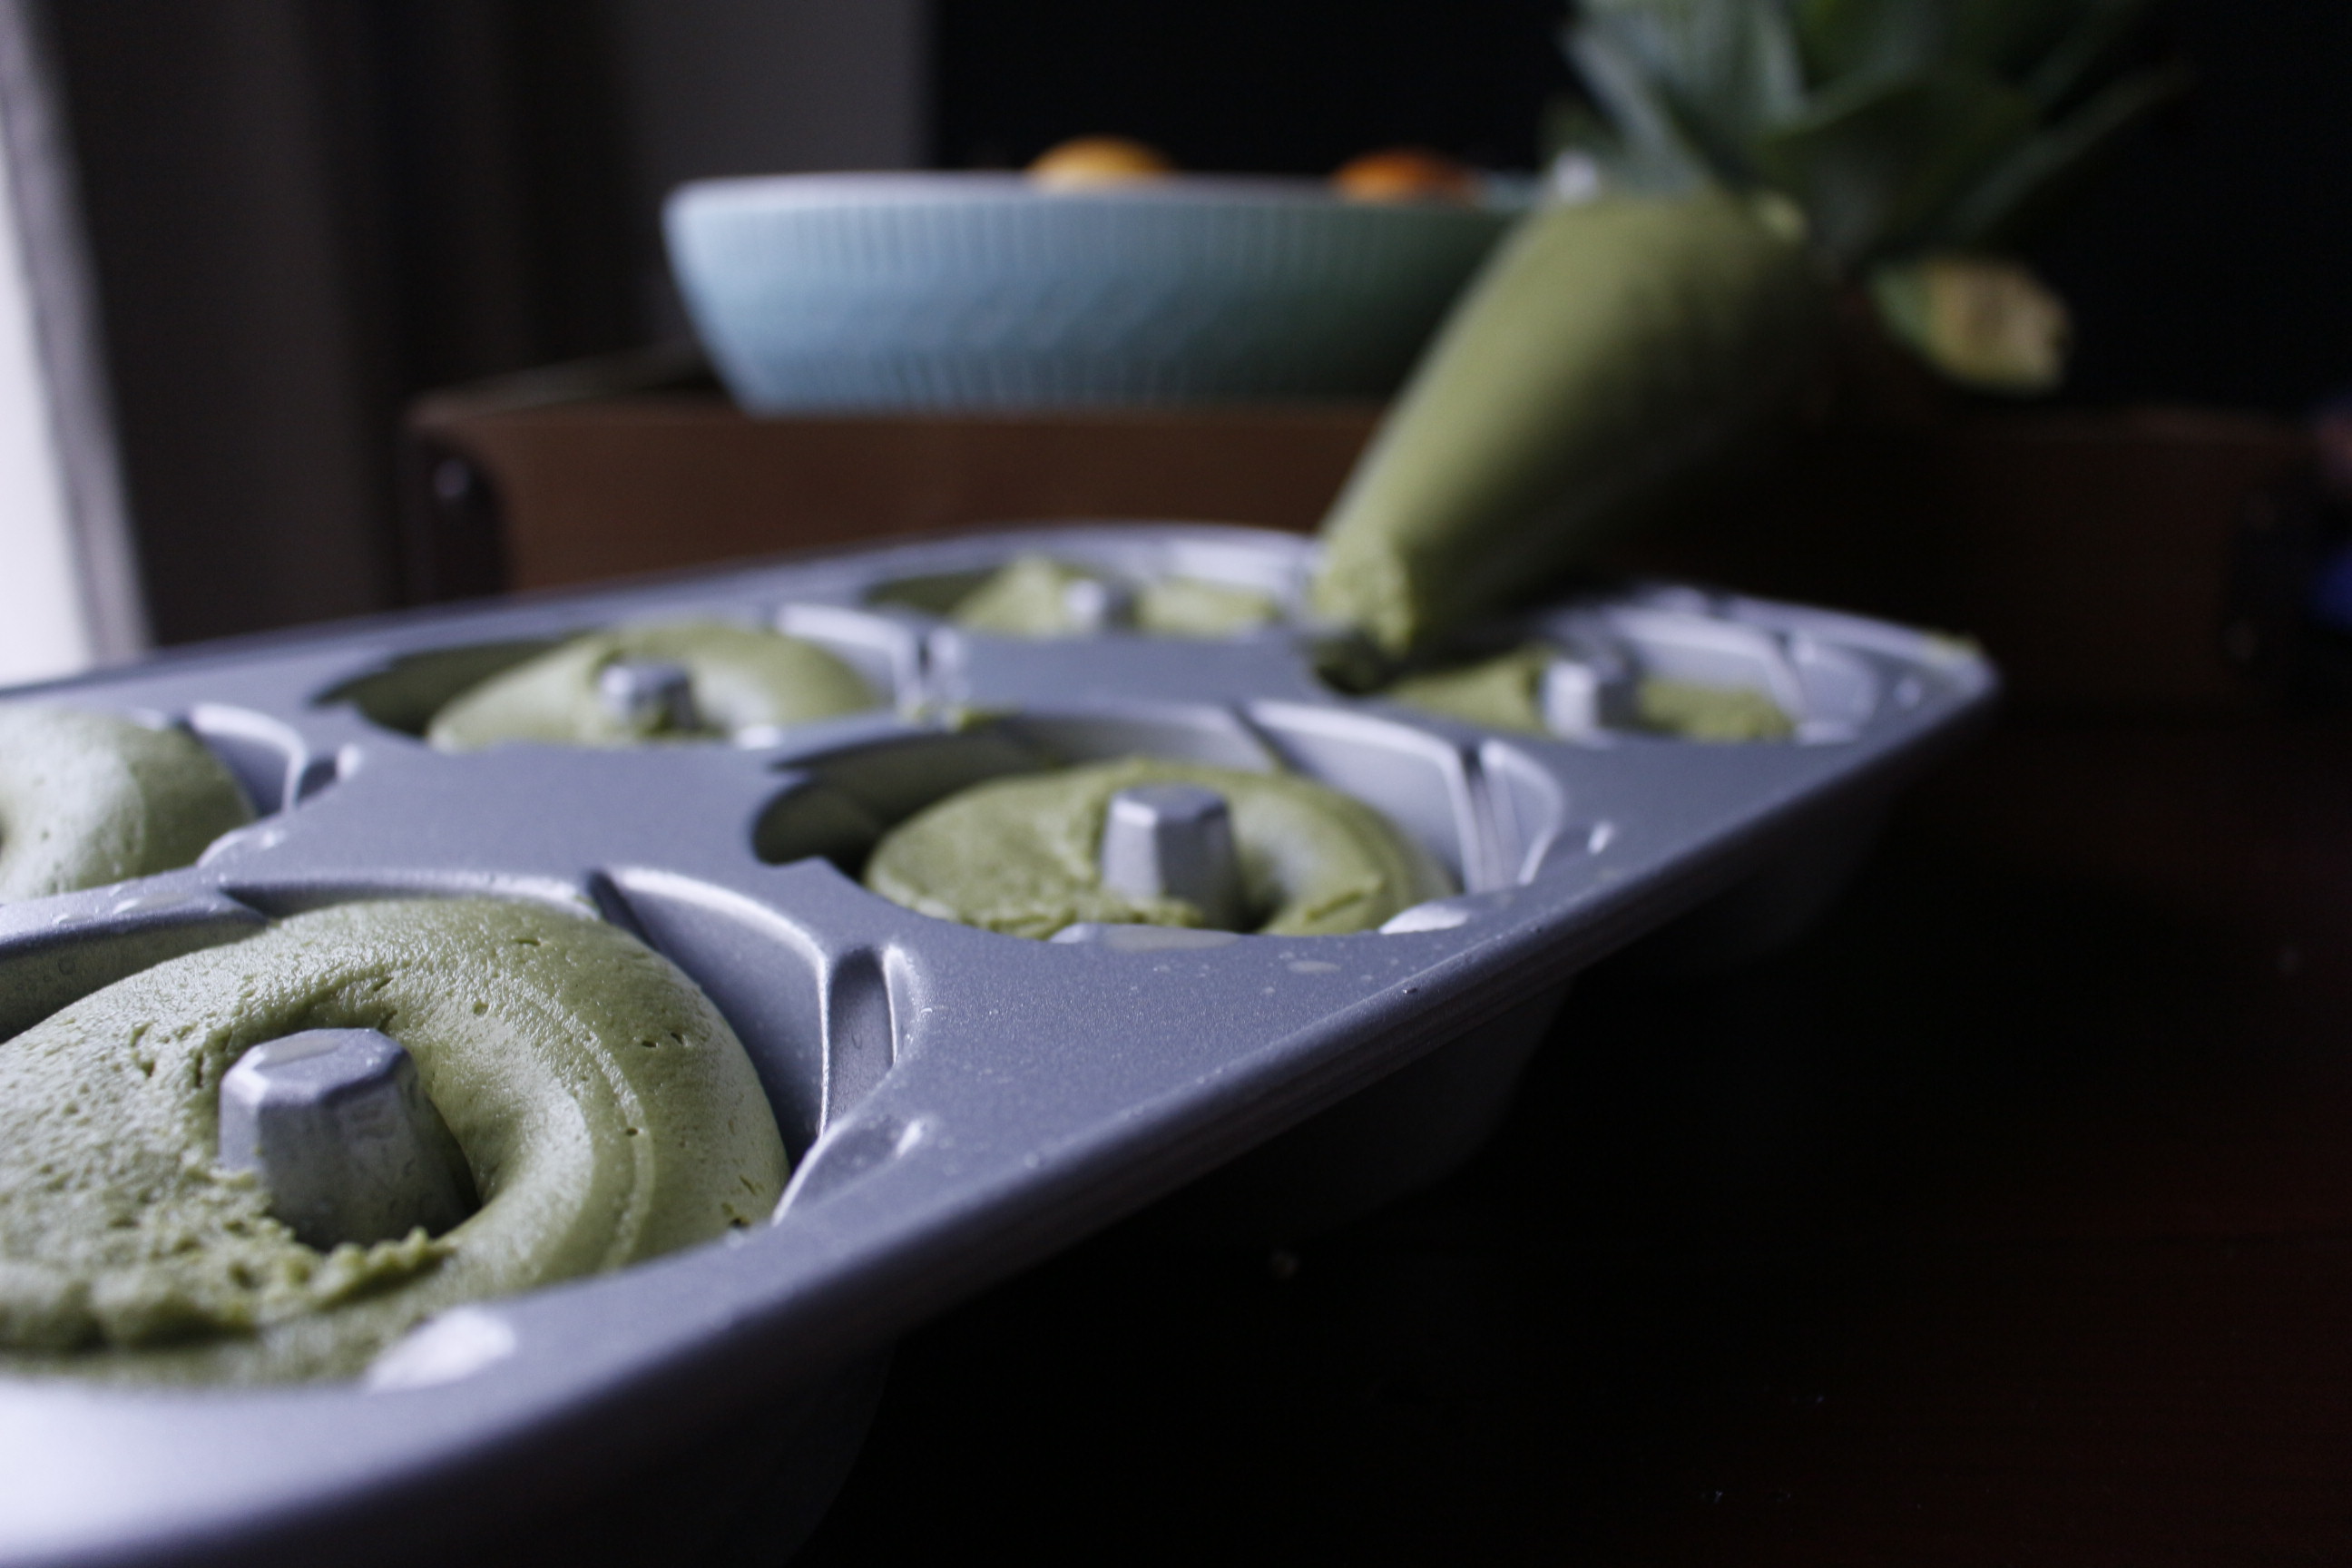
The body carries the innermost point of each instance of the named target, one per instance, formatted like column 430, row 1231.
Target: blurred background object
column 542, row 482
column 300, row 214
column 1924, row 141
column 69, row 594
column 303, row 215
column 1084, row 284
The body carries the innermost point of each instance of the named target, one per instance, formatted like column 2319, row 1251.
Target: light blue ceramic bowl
column 957, row 291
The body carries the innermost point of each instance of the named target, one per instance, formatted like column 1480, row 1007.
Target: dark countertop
column 2008, row 1219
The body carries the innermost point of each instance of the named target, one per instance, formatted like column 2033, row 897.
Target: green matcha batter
column 1196, row 607
column 1029, row 596
column 1505, row 692
column 87, row 799
column 743, row 678
column 608, row 1113
column 1723, row 714
column 1019, row 855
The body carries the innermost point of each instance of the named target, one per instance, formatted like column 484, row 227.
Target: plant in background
column 1921, row 139
column 1627, row 340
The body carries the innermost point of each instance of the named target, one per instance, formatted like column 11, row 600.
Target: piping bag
column 1610, row 351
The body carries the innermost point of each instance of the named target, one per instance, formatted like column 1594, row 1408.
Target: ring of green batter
column 1019, row 855
column 1504, row 691
column 608, row 1113
column 1028, row 596
column 744, row 679
column 87, row 799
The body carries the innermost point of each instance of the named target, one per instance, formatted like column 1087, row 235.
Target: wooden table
column 2006, row 1220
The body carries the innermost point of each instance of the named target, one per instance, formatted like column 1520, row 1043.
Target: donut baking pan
column 957, row 1103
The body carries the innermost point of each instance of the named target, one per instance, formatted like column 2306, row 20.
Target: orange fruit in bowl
column 1406, row 174
column 1084, row 160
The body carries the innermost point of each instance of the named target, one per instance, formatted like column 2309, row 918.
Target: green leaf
column 1874, row 165
column 2006, row 37
column 1653, row 153
column 1723, row 69
column 2012, row 39
column 1921, row 122
column 2050, row 165
column 1847, row 38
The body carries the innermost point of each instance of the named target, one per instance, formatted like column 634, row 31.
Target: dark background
column 2001, row 1220
column 305, row 212
column 2209, row 267
column 1295, row 87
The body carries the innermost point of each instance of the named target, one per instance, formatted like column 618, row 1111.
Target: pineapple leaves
column 1875, row 166
column 1648, row 151
column 1849, row 38
column 1717, row 72
column 1894, row 123
column 2038, row 175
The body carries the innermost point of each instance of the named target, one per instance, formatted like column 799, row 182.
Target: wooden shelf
column 650, row 481
column 2134, row 558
